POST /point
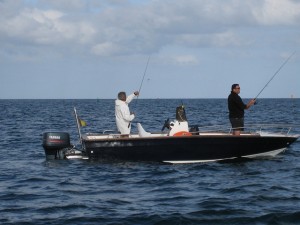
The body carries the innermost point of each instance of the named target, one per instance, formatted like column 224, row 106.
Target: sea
column 34, row 190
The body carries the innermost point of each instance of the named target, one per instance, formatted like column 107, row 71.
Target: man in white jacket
column 123, row 115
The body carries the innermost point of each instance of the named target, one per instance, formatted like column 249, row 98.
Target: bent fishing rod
column 141, row 84
column 285, row 62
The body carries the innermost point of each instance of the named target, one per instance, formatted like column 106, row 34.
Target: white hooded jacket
column 123, row 117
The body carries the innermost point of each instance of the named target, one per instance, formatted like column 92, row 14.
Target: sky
column 92, row 49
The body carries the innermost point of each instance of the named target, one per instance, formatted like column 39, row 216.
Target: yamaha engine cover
column 54, row 143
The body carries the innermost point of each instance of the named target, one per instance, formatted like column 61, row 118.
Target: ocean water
column 36, row 191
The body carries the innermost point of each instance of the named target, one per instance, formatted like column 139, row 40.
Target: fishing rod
column 275, row 74
column 141, row 84
column 143, row 79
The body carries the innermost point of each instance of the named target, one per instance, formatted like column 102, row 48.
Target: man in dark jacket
column 236, row 109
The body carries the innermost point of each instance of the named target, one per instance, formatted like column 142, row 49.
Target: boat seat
column 142, row 132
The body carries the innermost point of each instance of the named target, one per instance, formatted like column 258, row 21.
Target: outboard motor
column 55, row 144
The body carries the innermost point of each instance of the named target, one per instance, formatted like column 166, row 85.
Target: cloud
column 106, row 49
column 45, row 27
column 279, row 12
column 112, row 28
column 186, row 60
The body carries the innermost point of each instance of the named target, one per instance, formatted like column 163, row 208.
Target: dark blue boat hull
column 192, row 148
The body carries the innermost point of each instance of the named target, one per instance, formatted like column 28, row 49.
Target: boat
column 180, row 143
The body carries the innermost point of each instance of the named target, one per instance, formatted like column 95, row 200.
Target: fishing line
column 275, row 74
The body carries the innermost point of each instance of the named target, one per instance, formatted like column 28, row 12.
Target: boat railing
column 274, row 128
column 283, row 129
column 249, row 129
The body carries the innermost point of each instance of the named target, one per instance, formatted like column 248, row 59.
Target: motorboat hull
column 186, row 149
